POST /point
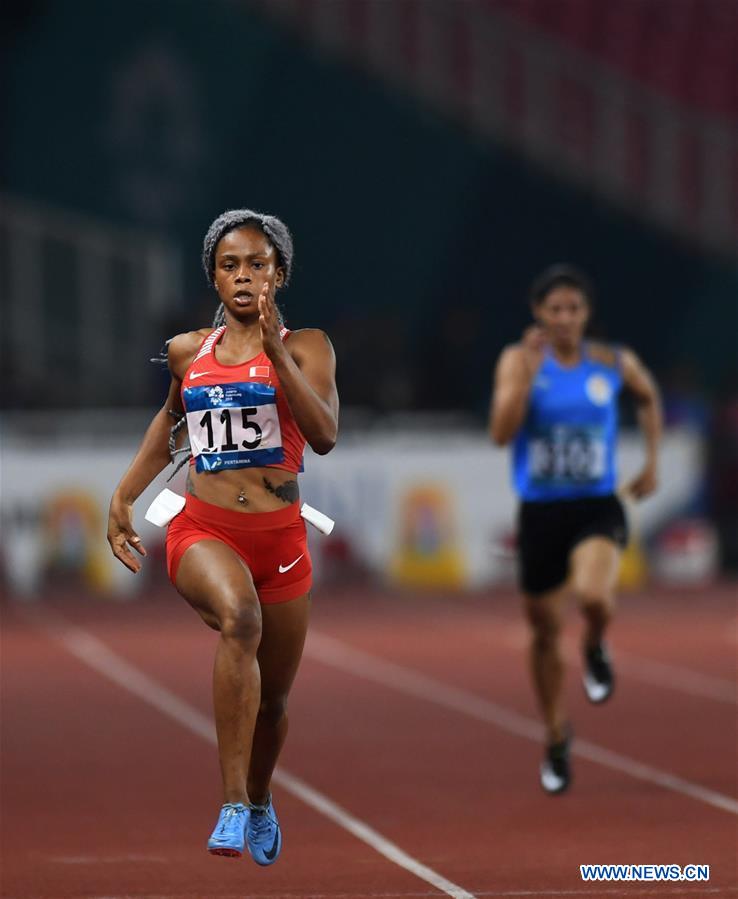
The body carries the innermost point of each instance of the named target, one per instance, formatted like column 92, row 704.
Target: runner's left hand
column 269, row 324
column 643, row 485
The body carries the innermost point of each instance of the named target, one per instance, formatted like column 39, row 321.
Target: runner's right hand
column 121, row 535
column 533, row 344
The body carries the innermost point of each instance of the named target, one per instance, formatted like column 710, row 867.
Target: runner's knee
column 273, row 708
column 241, row 621
column 545, row 638
column 210, row 619
column 545, row 628
column 593, row 599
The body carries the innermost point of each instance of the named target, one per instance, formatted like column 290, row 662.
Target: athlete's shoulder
column 631, row 365
column 308, row 340
column 305, row 335
column 182, row 348
column 511, row 358
column 511, row 350
column 607, row 354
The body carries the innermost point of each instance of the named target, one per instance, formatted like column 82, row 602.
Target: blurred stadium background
column 430, row 156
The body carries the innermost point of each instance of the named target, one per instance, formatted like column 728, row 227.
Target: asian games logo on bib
column 598, row 390
column 215, row 395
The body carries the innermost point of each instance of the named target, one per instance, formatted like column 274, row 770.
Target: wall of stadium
column 418, row 509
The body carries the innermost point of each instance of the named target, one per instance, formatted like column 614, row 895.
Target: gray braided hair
column 183, row 453
column 274, row 228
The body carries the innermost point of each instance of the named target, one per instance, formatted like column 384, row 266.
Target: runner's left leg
column 594, row 572
column 283, row 630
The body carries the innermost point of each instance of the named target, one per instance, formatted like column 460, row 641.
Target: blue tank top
column 566, row 446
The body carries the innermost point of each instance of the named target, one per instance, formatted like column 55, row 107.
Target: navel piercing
column 242, row 498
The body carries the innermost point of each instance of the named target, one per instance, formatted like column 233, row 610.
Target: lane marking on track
column 97, row 655
column 674, row 677
column 658, row 674
column 330, row 651
column 662, row 674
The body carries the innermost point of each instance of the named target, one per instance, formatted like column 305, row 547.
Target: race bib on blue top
column 566, row 455
column 233, row 426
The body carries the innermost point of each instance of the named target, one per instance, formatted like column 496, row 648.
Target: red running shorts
column 272, row 544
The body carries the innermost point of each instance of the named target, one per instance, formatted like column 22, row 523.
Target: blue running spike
column 263, row 834
column 228, row 838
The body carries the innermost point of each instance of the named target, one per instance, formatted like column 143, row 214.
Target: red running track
column 412, row 713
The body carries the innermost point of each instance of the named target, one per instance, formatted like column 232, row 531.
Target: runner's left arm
column 641, row 383
column 308, row 377
column 306, row 368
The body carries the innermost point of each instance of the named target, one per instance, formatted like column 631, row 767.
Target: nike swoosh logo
column 283, row 568
column 199, row 374
column 275, row 845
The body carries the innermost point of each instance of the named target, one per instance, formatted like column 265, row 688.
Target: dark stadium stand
column 654, row 41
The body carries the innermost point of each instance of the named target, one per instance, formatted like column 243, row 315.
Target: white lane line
column 661, row 674
column 93, row 652
column 329, row 651
column 675, row 677
column 657, row 674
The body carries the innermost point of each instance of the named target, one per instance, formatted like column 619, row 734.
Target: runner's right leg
column 544, row 613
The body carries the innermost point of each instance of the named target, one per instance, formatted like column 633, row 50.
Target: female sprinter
column 556, row 396
column 252, row 393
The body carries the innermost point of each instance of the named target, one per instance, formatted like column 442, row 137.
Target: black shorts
column 549, row 531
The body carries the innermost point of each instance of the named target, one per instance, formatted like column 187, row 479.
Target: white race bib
column 566, row 455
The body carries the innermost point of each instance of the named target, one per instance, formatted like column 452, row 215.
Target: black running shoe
column 598, row 679
column 555, row 767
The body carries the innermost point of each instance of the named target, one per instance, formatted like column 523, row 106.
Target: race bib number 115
column 233, row 426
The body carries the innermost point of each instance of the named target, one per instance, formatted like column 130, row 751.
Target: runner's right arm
column 516, row 370
column 152, row 456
